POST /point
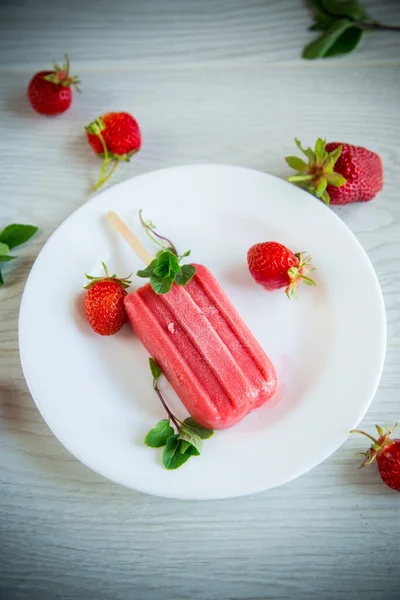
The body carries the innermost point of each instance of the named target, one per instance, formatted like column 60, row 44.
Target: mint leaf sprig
column 342, row 23
column 179, row 446
column 11, row 236
column 165, row 269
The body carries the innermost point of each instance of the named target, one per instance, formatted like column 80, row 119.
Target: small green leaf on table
column 352, row 9
column 16, row 234
column 5, row 253
column 319, row 47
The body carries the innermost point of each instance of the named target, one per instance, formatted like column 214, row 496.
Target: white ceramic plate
column 96, row 393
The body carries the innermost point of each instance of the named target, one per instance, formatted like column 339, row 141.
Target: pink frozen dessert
column 205, row 350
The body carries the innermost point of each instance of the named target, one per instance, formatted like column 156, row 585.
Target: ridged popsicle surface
column 205, row 350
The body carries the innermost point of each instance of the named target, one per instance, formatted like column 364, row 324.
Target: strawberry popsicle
column 205, row 350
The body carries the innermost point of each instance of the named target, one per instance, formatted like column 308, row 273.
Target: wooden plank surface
column 209, row 82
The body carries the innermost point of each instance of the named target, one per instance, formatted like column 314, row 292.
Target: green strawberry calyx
column 299, row 274
column 62, row 77
column 319, row 172
column 378, row 445
column 124, row 282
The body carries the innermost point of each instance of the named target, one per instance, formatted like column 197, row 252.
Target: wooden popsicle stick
column 130, row 237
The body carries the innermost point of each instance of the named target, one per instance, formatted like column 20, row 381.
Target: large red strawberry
column 115, row 137
column 338, row 173
column 50, row 92
column 104, row 303
column 386, row 451
column 274, row 266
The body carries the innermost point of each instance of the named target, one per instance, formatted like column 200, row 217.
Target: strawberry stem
column 366, row 434
column 103, row 177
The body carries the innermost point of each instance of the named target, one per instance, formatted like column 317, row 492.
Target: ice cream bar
column 205, row 350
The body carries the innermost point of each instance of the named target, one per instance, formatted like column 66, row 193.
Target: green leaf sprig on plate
column 12, row 236
column 342, row 23
column 165, row 269
column 180, row 439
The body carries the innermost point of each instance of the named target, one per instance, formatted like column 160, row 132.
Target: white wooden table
column 209, row 81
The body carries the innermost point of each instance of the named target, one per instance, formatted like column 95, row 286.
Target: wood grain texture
column 209, row 82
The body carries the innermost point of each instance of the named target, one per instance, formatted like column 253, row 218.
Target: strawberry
column 274, row 266
column 115, row 137
column 386, row 451
column 50, row 92
column 104, row 303
column 338, row 173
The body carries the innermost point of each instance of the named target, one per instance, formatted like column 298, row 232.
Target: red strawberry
column 338, row 173
column 386, row 451
column 274, row 266
column 50, row 92
column 104, row 303
column 115, row 136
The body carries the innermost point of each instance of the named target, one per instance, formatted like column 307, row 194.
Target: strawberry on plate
column 104, row 303
column 338, row 173
column 49, row 92
column 115, row 137
column 274, row 266
column 386, row 452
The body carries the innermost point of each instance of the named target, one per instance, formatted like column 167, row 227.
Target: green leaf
column 185, row 274
column 319, row 47
column 307, row 151
column 201, row 431
column 316, row 6
column 16, row 234
column 320, row 152
column 169, row 258
column 346, row 42
column 185, row 254
column 296, row 163
column 334, row 155
column 326, row 197
column 161, row 285
column 158, row 436
column 321, row 187
column 299, row 177
column 167, row 264
column 154, row 368
column 322, row 23
column 172, row 457
column 4, row 249
column 6, row 257
column 187, row 434
column 183, row 446
column 192, row 451
column 335, row 179
column 148, row 271
column 352, row 9
column 162, row 271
